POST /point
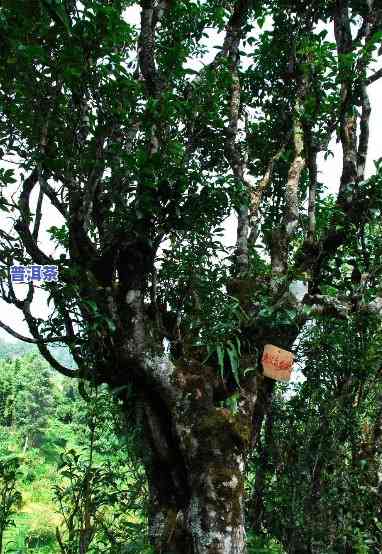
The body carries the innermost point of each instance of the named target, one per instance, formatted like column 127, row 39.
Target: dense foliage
column 142, row 139
column 317, row 482
column 80, row 492
column 313, row 480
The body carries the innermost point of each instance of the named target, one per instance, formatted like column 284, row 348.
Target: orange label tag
column 277, row 363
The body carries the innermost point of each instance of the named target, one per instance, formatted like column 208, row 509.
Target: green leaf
column 234, row 360
column 111, row 325
column 220, row 353
column 57, row 12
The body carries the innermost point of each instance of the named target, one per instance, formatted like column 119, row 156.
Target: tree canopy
column 142, row 143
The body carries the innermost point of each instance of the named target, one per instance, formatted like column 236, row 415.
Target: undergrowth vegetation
column 72, row 480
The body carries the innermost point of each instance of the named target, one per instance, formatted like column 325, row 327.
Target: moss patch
column 227, row 429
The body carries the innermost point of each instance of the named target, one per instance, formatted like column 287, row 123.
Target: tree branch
column 327, row 305
column 312, row 163
column 38, row 215
column 363, row 144
column 231, row 41
column 239, row 168
column 294, row 176
column 22, row 226
column 146, row 52
column 23, row 338
column 257, row 193
column 41, row 345
column 51, row 194
column 237, row 160
column 374, row 77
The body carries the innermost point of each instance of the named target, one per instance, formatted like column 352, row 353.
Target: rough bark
column 212, row 522
column 214, row 455
column 195, row 462
column 194, row 450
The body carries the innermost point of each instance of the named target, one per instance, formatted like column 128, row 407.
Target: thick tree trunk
column 195, row 469
column 168, row 532
column 212, row 520
column 167, row 481
column 215, row 515
column 213, row 444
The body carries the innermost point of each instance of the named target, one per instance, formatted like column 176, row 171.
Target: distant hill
column 17, row 349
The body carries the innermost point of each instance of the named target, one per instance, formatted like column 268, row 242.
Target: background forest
column 60, row 463
column 70, row 483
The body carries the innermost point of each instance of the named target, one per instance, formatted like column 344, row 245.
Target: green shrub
column 41, row 536
column 262, row 545
column 10, row 497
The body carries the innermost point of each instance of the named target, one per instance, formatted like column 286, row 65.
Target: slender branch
column 51, row 194
column 8, row 238
column 41, row 345
column 146, row 52
column 23, row 338
column 348, row 126
column 374, row 77
column 92, row 182
column 41, row 342
column 282, row 234
column 312, row 195
column 371, row 23
column 294, row 176
column 81, row 247
column 239, row 14
column 12, row 298
column 38, row 215
column 327, row 305
column 24, row 306
column 364, row 134
column 30, row 245
column 315, row 259
column 239, row 168
column 234, row 30
column 377, row 434
column 237, row 160
column 257, row 192
column 241, row 252
column 28, row 186
column 349, row 203
column 22, row 226
column 342, row 29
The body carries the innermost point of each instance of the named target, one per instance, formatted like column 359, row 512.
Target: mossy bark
column 211, row 521
column 168, row 532
column 213, row 443
column 195, row 468
column 215, row 514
